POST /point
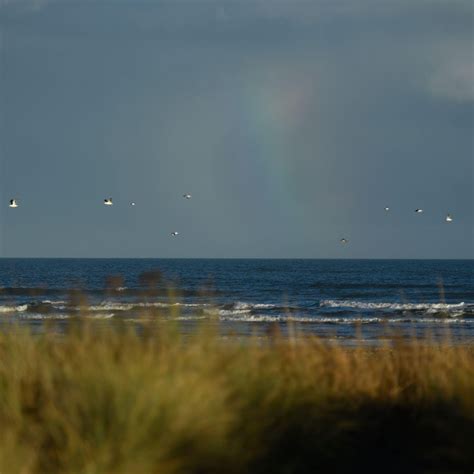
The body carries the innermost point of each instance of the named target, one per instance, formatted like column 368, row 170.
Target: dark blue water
column 329, row 298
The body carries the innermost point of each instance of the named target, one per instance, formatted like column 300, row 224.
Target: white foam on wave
column 238, row 308
column 140, row 319
column 189, row 318
column 39, row 316
column 111, row 306
column 259, row 318
column 239, row 305
column 61, row 305
column 101, row 316
column 170, row 305
column 235, row 308
column 429, row 307
column 231, row 312
column 213, row 312
column 263, row 318
column 13, row 309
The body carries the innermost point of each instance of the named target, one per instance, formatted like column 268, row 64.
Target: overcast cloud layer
column 292, row 123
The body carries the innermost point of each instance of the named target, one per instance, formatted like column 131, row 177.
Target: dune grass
column 111, row 399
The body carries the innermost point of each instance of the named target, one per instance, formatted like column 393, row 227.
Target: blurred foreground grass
column 103, row 399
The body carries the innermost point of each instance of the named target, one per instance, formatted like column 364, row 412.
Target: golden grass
column 110, row 399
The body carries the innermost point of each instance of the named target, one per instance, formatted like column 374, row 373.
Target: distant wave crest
column 430, row 308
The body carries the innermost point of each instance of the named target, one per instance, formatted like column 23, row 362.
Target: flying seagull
column 174, row 234
column 13, row 203
column 387, row 209
column 108, row 202
column 449, row 218
column 344, row 241
column 132, row 203
column 187, row 196
column 418, row 211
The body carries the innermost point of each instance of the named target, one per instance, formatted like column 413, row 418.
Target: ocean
column 345, row 300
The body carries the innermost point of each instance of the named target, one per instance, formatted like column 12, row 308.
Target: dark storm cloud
column 437, row 29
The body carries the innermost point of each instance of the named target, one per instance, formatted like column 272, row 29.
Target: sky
column 292, row 123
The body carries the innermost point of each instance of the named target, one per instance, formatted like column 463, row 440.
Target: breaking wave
column 429, row 308
column 13, row 309
column 111, row 306
column 259, row 318
column 60, row 316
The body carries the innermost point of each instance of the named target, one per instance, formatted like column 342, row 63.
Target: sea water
column 336, row 299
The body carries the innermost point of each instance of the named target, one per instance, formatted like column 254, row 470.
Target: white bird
column 387, row 209
column 108, row 202
column 418, row 211
column 187, row 196
column 344, row 241
column 13, row 203
column 449, row 218
column 174, row 234
column 132, row 204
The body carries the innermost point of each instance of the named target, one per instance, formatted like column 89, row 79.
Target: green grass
column 102, row 399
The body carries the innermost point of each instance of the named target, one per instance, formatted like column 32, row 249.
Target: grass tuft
column 111, row 399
